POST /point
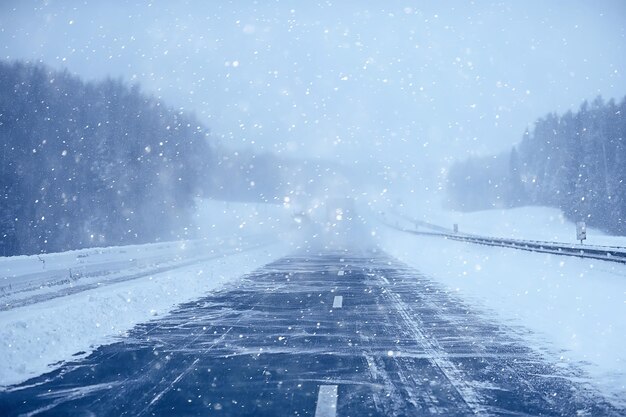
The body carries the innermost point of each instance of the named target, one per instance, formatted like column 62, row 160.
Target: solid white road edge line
column 326, row 401
column 338, row 301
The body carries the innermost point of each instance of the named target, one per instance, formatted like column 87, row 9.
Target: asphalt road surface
column 330, row 334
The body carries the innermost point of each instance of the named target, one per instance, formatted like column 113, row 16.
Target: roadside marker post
column 581, row 231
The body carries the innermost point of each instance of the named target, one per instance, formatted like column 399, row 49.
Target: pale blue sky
column 419, row 82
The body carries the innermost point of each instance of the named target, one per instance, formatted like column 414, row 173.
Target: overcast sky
column 416, row 82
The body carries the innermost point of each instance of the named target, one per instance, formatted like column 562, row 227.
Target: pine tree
column 92, row 163
column 576, row 162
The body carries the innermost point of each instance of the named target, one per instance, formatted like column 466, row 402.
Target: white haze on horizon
column 405, row 86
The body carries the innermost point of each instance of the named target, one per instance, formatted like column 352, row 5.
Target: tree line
column 92, row 164
column 575, row 162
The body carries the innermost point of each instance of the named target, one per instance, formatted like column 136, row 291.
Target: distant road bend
column 325, row 334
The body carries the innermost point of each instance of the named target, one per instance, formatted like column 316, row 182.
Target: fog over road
column 314, row 334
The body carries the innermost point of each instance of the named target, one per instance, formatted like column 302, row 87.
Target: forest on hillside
column 575, row 162
column 101, row 163
column 88, row 164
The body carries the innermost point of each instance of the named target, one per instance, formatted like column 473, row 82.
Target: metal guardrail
column 421, row 223
column 605, row 253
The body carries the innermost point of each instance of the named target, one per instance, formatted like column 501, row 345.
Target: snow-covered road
column 47, row 317
column 278, row 342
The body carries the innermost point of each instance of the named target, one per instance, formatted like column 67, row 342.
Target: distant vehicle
column 339, row 209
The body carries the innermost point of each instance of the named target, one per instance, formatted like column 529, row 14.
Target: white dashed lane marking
column 338, row 301
column 326, row 401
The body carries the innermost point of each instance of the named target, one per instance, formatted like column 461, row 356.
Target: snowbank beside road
column 575, row 307
column 35, row 337
column 26, row 280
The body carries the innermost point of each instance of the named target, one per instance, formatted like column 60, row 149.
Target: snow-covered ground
column 575, row 308
column 54, row 306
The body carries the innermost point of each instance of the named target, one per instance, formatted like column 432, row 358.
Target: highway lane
column 328, row 334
